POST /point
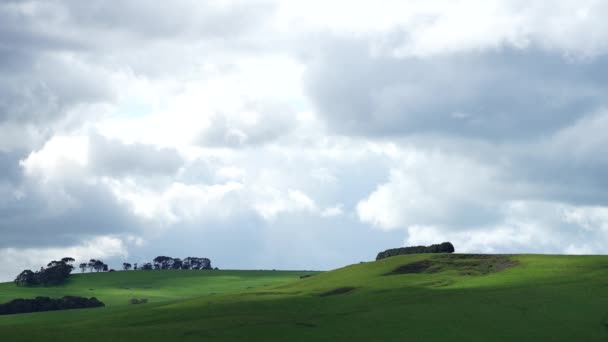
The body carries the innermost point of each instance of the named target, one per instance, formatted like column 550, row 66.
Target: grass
column 458, row 298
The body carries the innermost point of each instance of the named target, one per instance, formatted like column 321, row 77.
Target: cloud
column 275, row 202
column 67, row 58
column 64, row 193
column 62, row 215
column 113, row 157
column 429, row 188
column 504, row 94
column 209, row 19
column 414, row 28
column 527, row 227
column 332, row 211
column 480, row 207
column 563, row 166
column 301, row 134
column 179, row 202
column 249, row 126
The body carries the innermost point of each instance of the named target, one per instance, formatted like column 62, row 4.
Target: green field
column 449, row 298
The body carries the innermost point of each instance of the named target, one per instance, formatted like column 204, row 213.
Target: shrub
column 39, row 304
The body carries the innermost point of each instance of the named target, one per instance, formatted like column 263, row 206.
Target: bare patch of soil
column 466, row 264
column 414, row 267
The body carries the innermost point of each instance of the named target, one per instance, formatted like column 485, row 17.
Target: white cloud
column 178, row 202
column 60, row 157
column 588, row 218
column 526, row 227
column 431, row 188
column 423, row 28
column 230, row 173
column 332, row 211
column 579, row 250
column 273, row 202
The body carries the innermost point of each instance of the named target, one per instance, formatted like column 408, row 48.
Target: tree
column 126, row 266
column 192, row 263
column 56, row 273
column 135, row 267
column 163, row 262
column 83, row 267
column 67, row 260
column 446, row 247
column 54, row 263
column 91, row 265
column 97, row 265
column 147, row 267
column 26, row 278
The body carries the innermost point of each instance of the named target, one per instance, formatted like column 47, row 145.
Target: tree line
column 445, row 247
column 57, row 272
column 168, row 263
column 94, row 265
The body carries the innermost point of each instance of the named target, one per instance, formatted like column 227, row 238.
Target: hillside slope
column 411, row 297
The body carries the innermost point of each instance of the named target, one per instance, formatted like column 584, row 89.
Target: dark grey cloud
column 40, row 81
column 39, row 97
column 10, row 171
column 39, row 219
column 25, row 33
column 168, row 20
column 506, row 93
column 63, row 212
column 568, row 165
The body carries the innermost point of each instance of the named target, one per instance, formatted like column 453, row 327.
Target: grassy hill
column 405, row 298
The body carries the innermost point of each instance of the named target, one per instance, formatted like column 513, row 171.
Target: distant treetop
column 55, row 274
column 445, row 247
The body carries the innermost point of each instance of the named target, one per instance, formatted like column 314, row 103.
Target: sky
column 300, row 134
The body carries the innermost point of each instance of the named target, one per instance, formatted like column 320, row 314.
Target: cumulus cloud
column 533, row 227
column 434, row 189
column 480, row 208
column 62, row 193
